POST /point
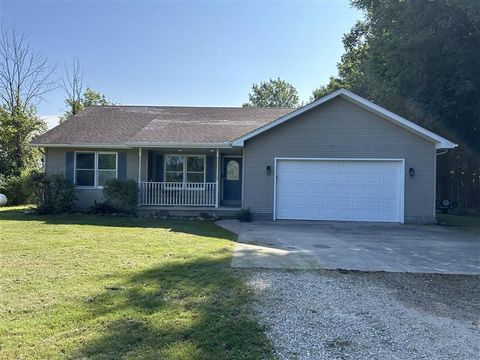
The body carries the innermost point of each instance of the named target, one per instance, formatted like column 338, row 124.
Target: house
column 340, row 157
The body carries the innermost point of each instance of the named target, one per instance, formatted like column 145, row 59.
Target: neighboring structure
column 340, row 157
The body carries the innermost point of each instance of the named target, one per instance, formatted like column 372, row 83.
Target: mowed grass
column 468, row 223
column 78, row 286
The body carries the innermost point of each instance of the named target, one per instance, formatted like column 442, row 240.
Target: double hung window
column 185, row 168
column 93, row 169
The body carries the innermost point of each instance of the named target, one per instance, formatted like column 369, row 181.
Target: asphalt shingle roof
column 159, row 124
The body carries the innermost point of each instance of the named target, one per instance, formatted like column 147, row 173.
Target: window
column 174, row 168
column 195, row 169
column 85, row 169
column 107, row 168
column 185, row 168
column 93, row 169
column 233, row 170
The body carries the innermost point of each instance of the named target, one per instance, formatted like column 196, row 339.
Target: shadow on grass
column 196, row 310
column 200, row 228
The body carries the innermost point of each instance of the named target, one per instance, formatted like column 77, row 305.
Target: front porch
column 190, row 177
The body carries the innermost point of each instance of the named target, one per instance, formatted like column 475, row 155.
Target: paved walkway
column 354, row 246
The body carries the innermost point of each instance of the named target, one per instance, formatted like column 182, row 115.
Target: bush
column 102, row 208
column 58, row 195
column 121, row 195
column 23, row 189
column 245, row 215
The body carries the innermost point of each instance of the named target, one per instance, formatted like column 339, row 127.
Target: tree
column 17, row 130
column 323, row 90
column 72, row 84
column 92, row 97
column 420, row 59
column 24, row 77
column 274, row 93
column 77, row 99
column 88, row 98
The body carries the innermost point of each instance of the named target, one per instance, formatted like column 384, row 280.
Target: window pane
column 195, row 163
column 174, row 163
column 174, row 177
column 85, row 177
column 195, row 177
column 104, row 175
column 233, row 170
column 107, row 161
column 85, row 161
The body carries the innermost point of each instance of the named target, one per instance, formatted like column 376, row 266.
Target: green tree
column 76, row 98
column 88, row 98
column 334, row 84
column 24, row 77
column 421, row 60
column 92, row 97
column 18, row 128
column 273, row 93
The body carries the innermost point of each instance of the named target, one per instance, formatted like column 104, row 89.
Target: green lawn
column 78, row 286
column 468, row 223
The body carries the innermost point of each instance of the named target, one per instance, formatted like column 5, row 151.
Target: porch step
column 188, row 212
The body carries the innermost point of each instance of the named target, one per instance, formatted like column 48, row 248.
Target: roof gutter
column 225, row 145
column 99, row 146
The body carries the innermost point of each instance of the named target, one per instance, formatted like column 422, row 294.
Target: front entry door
column 232, row 181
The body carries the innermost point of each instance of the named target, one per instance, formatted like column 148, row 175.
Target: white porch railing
column 172, row 193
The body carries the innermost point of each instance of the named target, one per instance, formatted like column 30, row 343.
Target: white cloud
column 51, row 120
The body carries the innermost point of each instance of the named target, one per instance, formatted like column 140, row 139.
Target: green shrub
column 121, row 194
column 23, row 189
column 58, row 195
column 102, row 208
column 244, row 215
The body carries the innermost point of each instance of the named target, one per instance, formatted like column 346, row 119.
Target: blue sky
column 184, row 53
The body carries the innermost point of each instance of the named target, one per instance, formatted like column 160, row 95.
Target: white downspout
column 139, row 165
column 217, row 177
column 140, row 193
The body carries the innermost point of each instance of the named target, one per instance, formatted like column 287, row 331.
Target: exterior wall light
column 268, row 170
column 411, row 171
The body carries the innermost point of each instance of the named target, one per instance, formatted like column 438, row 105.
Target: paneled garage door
column 346, row 190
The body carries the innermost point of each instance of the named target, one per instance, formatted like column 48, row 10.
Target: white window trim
column 95, row 170
column 185, row 157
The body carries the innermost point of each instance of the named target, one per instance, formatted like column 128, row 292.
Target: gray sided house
column 340, row 157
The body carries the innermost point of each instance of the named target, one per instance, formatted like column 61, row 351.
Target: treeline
column 25, row 77
column 421, row 59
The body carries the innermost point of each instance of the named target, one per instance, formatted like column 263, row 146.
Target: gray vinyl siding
column 56, row 162
column 341, row 129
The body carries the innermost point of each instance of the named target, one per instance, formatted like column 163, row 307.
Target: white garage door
column 346, row 190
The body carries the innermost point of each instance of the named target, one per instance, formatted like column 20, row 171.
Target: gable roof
column 126, row 126
column 174, row 126
column 440, row 142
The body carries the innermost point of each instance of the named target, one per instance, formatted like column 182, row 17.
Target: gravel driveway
column 354, row 315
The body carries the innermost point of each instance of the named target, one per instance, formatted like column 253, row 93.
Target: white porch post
column 139, row 165
column 140, row 195
column 217, row 177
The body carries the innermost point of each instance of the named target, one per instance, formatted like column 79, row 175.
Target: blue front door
column 232, row 181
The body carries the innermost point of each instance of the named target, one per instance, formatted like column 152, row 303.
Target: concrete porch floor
column 354, row 246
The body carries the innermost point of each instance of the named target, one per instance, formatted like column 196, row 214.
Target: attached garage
column 339, row 189
column 341, row 158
